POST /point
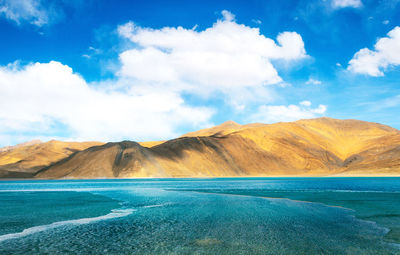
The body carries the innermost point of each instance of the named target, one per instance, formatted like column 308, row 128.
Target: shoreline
column 206, row 177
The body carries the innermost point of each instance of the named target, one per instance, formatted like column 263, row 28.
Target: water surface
column 201, row 216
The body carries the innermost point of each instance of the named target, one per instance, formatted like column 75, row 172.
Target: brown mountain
column 225, row 128
column 315, row 147
column 24, row 160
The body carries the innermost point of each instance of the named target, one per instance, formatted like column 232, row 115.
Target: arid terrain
column 314, row 147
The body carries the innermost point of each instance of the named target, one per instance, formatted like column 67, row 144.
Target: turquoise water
column 201, row 216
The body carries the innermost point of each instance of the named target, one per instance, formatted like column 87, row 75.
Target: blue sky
column 150, row 70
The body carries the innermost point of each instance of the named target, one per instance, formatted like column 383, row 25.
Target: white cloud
column 386, row 53
column 227, row 57
column 277, row 113
column 228, row 16
column 145, row 99
column 40, row 97
column 346, row 3
column 19, row 11
column 305, row 103
column 385, row 22
column 312, row 81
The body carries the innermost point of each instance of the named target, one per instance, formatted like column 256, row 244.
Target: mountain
column 315, row 147
column 225, row 128
column 24, row 160
column 8, row 148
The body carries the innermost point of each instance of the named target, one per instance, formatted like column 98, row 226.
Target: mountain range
column 312, row 147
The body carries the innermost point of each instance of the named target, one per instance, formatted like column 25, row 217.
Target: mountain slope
column 26, row 159
column 223, row 129
column 315, row 147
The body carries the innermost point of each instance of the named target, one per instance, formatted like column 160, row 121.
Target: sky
column 153, row 70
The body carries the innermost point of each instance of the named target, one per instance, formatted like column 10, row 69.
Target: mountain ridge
column 313, row 147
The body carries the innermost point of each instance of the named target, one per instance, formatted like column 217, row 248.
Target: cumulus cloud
column 386, row 53
column 145, row 99
column 19, row 11
column 226, row 57
column 312, row 81
column 228, row 16
column 346, row 3
column 276, row 113
column 41, row 97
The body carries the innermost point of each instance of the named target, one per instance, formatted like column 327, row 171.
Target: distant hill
column 314, row 147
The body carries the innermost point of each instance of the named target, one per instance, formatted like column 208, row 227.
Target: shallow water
column 201, row 216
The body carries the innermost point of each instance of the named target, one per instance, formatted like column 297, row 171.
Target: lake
column 201, row 216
